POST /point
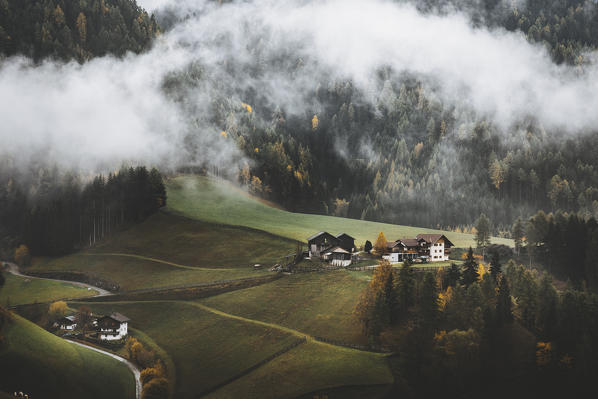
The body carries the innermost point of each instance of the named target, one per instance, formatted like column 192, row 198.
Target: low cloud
column 109, row 110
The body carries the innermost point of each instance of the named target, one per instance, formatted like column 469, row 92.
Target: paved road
column 130, row 365
column 14, row 269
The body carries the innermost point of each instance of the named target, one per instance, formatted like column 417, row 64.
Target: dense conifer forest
column 55, row 214
column 74, row 29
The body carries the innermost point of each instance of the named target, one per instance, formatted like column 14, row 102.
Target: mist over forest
column 132, row 131
column 426, row 113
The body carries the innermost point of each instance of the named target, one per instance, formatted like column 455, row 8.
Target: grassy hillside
column 320, row 304
column 135, row 273
column 169, row 250
column 190, row 242
column 322, row 367
column 218, row 201
column 208, row 348
column 21, row 290
column 45, row 366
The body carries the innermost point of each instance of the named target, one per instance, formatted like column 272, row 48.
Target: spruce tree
column 405, row 290
column 495, row 265
column 428, row 301
column 517, row 233
column 453, row 275
column 470, row 269
column 483, row 229
column 504, row 313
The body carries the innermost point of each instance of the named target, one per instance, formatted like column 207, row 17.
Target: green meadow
column 218, row 201
column 22, row 290
column 42, row 365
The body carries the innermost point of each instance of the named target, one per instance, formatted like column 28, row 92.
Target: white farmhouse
column 113, row 327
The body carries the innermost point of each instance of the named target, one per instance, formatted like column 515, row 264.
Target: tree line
column 467, row 327
column 59, row 214
column 565, row 244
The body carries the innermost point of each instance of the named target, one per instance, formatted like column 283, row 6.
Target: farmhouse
column 427, row 247
column 113, row 327
column 437, row 248
column 67, row 323
column 335, row 249
column 319, row 243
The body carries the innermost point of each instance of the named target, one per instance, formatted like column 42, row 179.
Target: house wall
column 108, row 334
column 437, row 252
column 341, row 262
column 392, row 257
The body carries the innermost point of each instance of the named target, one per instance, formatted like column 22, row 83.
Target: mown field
column 168, row 250
column 22, row 290
column 218, row 201
column 208, row 348
column 193, row 243
column 312, row 367
column 45, row 366
column 320, row 304
column 134, row 273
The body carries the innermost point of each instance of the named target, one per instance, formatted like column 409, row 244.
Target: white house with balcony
column 113, row 327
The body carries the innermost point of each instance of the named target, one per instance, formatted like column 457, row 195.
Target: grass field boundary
column 156, row 261
column 299, row 334
column 254, row 367
column 370, row 348
column 187, row 291
column 74, row 276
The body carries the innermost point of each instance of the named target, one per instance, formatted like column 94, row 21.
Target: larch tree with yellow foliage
column 314, row 122
column 380, row 245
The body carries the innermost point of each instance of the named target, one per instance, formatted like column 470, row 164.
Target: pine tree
column 495, row 268
column 405, row 290
column 483, row 227
column 428, row 301
column 453, row 275
column 470, row 269
column 517, row 234
column 547, row 308
column 504, row 313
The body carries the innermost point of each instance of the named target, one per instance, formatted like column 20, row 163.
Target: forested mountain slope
column 78, row 30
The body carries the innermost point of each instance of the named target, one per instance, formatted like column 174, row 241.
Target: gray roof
column 121, row 318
